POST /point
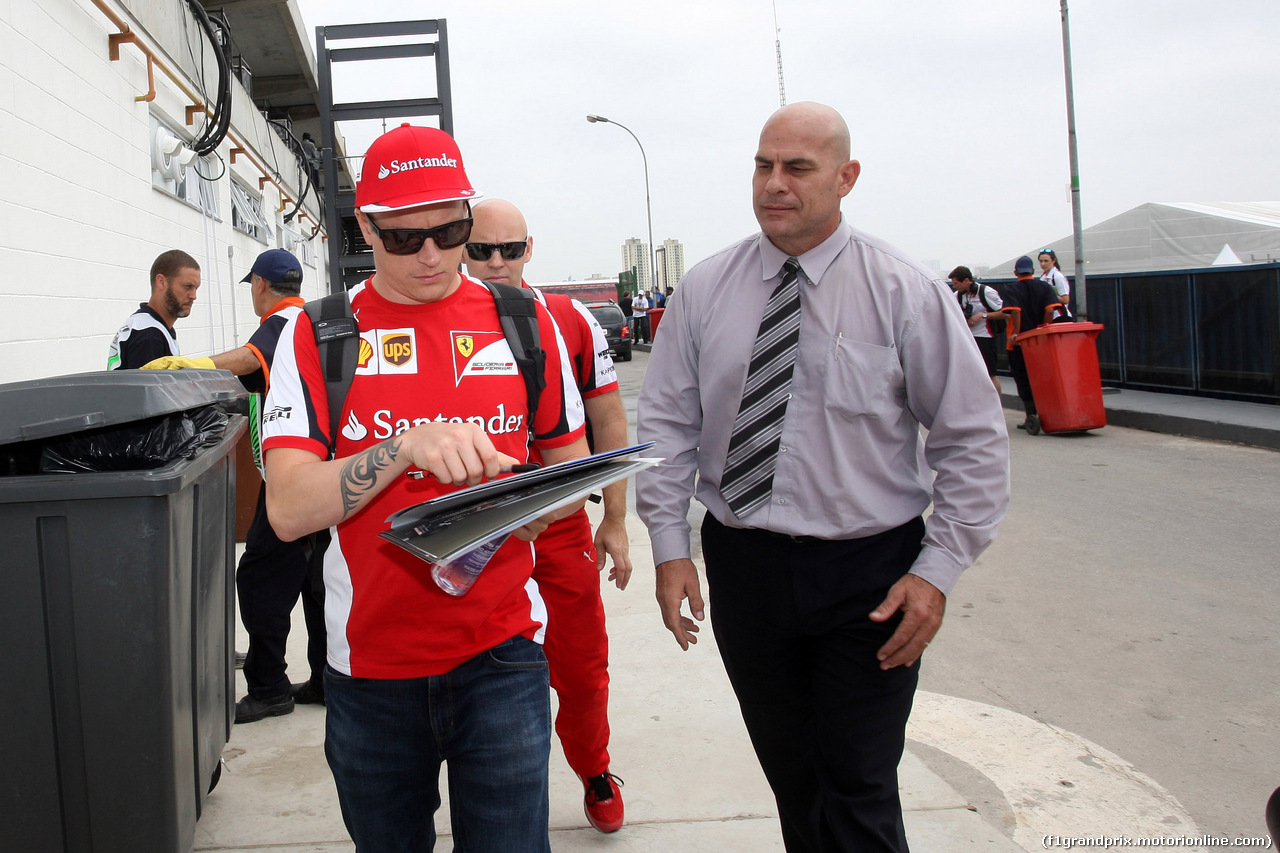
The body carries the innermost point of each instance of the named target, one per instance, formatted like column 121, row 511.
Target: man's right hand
column 678, row 580
column 306, row 493
column 177, row 362
column 454, row 454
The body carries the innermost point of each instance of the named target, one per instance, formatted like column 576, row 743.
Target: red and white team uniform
column 568, row 577
column 440, row 361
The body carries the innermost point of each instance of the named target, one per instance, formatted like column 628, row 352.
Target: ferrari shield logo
column 481, row 354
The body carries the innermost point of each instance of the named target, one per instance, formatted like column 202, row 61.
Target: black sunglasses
column 509, row 251
column 409, row 241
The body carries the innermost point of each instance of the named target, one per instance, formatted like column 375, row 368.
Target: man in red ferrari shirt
column 569, row 560
column 415, row 676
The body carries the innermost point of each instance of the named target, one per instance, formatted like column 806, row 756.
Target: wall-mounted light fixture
column 169, row 155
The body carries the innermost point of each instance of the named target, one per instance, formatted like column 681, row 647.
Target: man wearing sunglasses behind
column 569, row 561
column 415, row 676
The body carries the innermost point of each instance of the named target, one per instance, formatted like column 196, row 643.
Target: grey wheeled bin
column 116, row 631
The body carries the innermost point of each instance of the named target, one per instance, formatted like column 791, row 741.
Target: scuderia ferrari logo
column 482, row 354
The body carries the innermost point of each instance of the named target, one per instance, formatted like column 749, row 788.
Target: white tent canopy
column 1226, row 257
column 1158, row 236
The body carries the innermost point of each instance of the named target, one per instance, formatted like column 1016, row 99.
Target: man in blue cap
column 1029, row 302
column 272, row 573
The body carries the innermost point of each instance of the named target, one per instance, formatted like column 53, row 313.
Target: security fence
column 1212, row 332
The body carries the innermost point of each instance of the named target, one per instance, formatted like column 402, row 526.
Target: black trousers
column 640, row 329
column 270, row 577
column 1018, row 367
column 827, row 724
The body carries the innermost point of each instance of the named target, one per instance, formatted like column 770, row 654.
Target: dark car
column 617, row 330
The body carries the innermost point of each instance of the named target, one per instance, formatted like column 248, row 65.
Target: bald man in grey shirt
column 827, row 590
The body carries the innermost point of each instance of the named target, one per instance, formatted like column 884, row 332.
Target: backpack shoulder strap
column 517, row 311
column 338, row 341
column 982, row 295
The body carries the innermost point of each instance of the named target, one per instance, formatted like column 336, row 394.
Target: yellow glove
column 177, row 362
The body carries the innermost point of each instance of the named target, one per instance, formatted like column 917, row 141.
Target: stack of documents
column 442, row 529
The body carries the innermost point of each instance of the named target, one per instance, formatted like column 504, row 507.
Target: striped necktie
column 757, row 431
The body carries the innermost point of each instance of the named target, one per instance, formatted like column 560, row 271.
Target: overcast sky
column 957, row 111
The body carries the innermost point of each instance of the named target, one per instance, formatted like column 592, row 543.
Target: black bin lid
column 60, row 405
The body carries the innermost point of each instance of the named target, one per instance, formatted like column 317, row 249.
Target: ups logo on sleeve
column 397, row 349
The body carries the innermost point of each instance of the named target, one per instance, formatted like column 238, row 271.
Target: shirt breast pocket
column 863, row 380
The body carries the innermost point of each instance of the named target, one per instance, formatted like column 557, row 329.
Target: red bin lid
column 1091, row 329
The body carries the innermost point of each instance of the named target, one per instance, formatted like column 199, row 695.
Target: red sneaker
column 603, row 802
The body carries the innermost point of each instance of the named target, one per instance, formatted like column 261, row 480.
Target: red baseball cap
column 412, row 166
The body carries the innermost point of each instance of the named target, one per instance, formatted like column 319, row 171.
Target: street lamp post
column 1077, row 225
column 648, row 209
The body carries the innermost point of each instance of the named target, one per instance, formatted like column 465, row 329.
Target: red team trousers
column 576, row 645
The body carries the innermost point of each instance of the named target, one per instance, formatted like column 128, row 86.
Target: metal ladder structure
column 350, row 257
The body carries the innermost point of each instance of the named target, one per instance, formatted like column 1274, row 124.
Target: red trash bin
column 655, row 316
column 1062, row 364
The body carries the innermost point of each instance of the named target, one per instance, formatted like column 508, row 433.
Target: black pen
column 522, row 468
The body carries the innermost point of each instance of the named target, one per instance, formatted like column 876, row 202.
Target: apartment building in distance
column 635, row 255
column 670, row 263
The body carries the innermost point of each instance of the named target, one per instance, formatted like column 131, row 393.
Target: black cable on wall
column 215, row 130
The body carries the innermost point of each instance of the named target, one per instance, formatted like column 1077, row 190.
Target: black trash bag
column 136, row 446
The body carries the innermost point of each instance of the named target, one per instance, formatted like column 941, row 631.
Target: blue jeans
column 490, row 718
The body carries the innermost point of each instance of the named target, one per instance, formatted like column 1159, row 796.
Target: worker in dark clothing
column 1028, row 302
column 272, row 573
column 312, row 155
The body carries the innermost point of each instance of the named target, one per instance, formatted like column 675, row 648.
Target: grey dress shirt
column 883, row 350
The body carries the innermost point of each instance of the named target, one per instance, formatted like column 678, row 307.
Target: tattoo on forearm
column 360, row 474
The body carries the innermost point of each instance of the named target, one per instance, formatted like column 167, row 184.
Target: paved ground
column 1130, row 600
column 692, row 783
column 987, row 767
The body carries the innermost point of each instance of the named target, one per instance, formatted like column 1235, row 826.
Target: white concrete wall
column 80, row 222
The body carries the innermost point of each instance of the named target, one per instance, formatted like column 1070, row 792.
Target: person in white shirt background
column 640, row 306
column 1051, row 273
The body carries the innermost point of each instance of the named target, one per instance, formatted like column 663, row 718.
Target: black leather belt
column 804, row 540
